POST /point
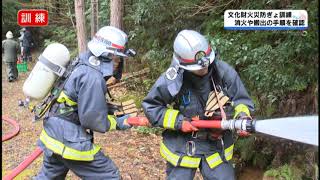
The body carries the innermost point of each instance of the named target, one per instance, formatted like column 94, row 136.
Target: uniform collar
column 197, row 82
column 104, row 67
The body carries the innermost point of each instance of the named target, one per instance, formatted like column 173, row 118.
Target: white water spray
column 302, row 128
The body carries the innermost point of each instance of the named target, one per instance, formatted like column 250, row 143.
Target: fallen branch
column 130, row 76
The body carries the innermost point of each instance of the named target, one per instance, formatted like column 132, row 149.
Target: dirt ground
column 136, row 154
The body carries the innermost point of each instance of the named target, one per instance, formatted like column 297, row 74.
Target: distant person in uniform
column 20, row 40
column 11, row 49
column 27, row 44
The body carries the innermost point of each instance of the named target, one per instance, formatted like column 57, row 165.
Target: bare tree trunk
column 116, row 13
column 80, row 24
column 94, row 16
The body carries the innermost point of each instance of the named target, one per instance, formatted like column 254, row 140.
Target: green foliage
column 157, row 60
column 245, row 146
column 285, row 172
column 270, row 63
column 62, row 35
column 268, row 110
column 147, row 130
column 253, row 153
column 139, row 87
column 135, row 95
column 103, row 15
column 262, row 159
column 152, row 26
column 9, row 18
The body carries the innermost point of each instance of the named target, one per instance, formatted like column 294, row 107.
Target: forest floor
column 136, row 154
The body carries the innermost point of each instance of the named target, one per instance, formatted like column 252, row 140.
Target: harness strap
column 58, row 70
column 223, row 114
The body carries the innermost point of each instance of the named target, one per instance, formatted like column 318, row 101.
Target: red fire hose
column 210, row 124
column 215, row 124
column 36, row 153
column 138, row 121
column 14, row 132
column 143, row 121
column 16, row 171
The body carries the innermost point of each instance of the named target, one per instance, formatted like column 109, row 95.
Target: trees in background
column 279, row 68
column 94, row 16
column 116, row 13
column 274, row 65
column 79, row 7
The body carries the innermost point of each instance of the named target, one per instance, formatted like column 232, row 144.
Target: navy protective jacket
column 80, row 107
column 180, row 95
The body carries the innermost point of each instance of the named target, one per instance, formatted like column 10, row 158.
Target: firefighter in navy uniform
column 80, row 109
column 186, row 86
column 27, row 44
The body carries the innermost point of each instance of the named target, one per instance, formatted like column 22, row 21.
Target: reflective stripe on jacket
column 213, row 160
column 65, row 151
column 186, row 161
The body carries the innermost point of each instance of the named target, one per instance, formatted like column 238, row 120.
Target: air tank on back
column 52, row 64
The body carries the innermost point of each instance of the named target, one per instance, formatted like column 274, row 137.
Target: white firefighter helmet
column 108, row 40
column 192, row 51
column 9, row 35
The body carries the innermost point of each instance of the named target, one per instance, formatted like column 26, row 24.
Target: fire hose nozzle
column 250, row 125
column 247, row 125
